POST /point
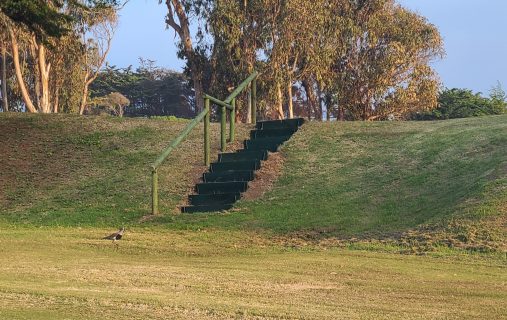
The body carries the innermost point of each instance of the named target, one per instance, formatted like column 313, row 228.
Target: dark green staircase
column 228, row 178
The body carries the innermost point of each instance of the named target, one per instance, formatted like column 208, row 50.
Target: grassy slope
column 67, row 273
column 342, row 182
column 356, row 179
column 69, row 170
column 340, row 179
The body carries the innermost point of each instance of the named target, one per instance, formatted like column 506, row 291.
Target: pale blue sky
column 474, row 31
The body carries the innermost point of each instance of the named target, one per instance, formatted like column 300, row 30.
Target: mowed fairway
column 69, row 273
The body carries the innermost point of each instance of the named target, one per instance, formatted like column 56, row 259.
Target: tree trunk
column 84, row 99
column 5, row 102
column 198, row 88
column 44, row 69
column 56, row 100
column 279, row 102
column 341, row 113
column 19, row 76
column 309, row 102
column 183, row 30
column 312, row 99
column 291, row 104
column 320, row 110
column 329, row 102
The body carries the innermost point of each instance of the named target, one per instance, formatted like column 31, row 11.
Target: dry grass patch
column 60, row 273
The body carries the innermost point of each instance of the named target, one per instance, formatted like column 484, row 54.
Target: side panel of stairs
column 228, row 178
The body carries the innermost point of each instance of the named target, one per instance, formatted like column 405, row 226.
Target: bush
column 463, row 103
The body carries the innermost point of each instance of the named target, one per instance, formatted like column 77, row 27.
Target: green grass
column 70, row 170
column 323, row 243
column 67, row 273
column 359, row 178
column 340, row 180
column 381, row 179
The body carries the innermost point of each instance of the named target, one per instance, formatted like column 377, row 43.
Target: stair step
column 270, row 144
column 277, row 124
column 214, row 199
column 221, row 187
column 265, row 133
column 243, row 156
column 251, row 165
column 229, row 176
column 268, row 140
column 206, row 208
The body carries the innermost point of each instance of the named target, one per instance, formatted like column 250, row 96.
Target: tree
column 178, row 19
column 114, row 102
column 463, row 103
column 45, row 35
column 357, row 59
column 38, row 16
column 385, row 68
column 37, row 22
column 97, row 28
column 498, row 98
column 3, row 79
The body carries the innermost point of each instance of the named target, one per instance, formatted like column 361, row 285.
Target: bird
column 115, row 236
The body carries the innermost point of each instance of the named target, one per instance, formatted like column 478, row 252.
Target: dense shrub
column 463, row 103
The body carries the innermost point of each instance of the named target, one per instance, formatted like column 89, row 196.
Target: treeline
column 319, row 59
column 149, row 91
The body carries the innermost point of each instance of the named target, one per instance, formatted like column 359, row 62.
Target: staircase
column 228, row 178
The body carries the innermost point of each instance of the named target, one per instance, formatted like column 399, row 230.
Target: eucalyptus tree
column 360, row 59
column 287, row 40
column 178, row 18
column 384, row 70
column 96, row 27
column 43, row 34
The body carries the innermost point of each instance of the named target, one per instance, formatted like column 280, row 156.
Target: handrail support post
column 154, row 193
column 207, row 148
column 254, row 100
column 249, row 96
column 232, row 119
column 223, row 124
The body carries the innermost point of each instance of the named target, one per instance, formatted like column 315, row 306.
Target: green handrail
column 229, row 104
column 217, row 101
column 241, row 87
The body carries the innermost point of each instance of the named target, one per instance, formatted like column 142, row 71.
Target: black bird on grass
column 115, row 236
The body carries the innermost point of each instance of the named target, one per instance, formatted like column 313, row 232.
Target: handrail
column 217, row 101
column 229, row 104
column 241, row 87
column 178, row 140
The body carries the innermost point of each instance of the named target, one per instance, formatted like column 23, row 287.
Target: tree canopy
column 52, row 51
column 348, row 59
column 151, row 90
column 344, row 59
column 464, row 103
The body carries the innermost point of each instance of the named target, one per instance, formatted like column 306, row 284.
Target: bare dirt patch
column 265, row 177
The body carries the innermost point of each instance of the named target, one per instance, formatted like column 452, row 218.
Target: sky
column 474, row 32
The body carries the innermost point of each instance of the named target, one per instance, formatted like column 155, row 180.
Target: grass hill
column 432, row 182
column 67, row 181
